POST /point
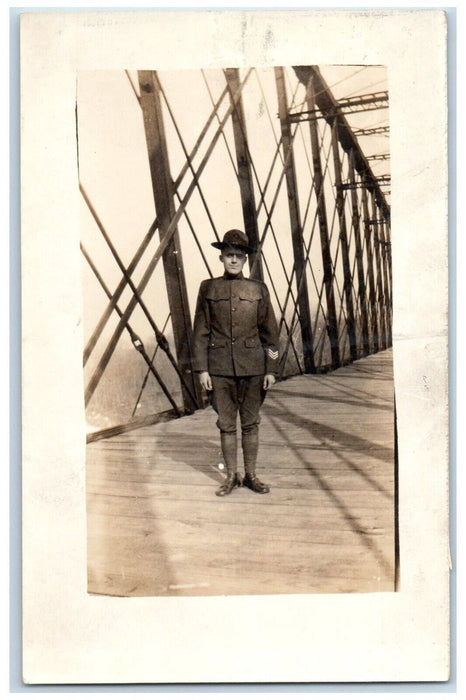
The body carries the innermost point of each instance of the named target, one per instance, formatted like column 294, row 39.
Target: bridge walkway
column 156, row 528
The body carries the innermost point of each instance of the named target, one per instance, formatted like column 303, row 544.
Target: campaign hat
column 234, row 239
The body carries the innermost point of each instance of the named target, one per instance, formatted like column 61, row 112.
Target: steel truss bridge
column 277, row 150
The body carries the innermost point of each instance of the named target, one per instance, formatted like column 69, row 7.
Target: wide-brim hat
column 234, row 239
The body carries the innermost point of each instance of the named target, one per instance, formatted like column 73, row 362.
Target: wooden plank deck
column 155, row 526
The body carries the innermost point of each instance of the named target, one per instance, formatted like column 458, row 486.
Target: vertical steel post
column 332, row 323
column 378, row 265
column 340, row 205
column 370, row 271
column 162, row 186
column 386, row 277
column 388, row 243
column 359, row 255
column 243, row 159
column 302, row 302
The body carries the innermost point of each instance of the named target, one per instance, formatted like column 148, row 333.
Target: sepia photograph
column 234, row 255
column 236, row 251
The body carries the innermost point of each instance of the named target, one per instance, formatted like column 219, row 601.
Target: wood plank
column 280, row 487
column 114, row 526
column 278, row 500
column 155, row 526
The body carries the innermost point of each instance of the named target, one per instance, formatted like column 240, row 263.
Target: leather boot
column 232, row 482
column 252, row 482
column 230, row 455
column 250, row 444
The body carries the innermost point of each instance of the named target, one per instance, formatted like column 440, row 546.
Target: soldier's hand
column 269, row 381
column 206, row 381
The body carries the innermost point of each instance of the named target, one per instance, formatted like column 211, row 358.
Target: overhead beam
column 379, row 156
column 350, row 105
column 329, row 107
column 375, row 131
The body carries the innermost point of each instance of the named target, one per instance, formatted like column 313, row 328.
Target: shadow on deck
column 155, row 526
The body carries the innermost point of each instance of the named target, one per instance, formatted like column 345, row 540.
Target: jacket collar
column 227, row 276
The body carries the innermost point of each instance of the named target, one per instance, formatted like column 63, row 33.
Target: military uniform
column 235, row 331
column 236, row 342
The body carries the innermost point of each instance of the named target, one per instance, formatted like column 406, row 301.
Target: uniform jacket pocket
column 250, row 295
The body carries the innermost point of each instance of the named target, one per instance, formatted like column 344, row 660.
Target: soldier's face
column 233, row 260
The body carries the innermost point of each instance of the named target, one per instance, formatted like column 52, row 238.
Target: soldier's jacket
column 235, row 330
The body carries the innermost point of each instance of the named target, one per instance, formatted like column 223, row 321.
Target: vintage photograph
column 235, row 236
column 234, row 350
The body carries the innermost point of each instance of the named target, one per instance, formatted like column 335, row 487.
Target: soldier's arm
column 201, row 332
column 268, row 333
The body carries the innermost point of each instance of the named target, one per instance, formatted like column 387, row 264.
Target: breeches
column 233, row 395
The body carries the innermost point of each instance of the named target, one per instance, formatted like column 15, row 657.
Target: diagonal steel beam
column 148, row 237
column 323, row 228
column 186, row 154
column 107, row 354
column 137, row 342
column 319, row 308
column 302, row 302
column 161, row 339
column 243, row 159
column 162, row 187
column 113, row 300
column 146, row 376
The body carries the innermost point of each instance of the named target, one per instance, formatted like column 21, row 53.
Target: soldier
column 236, row 355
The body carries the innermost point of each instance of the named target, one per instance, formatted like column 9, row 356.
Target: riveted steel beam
column 327, row 263
column 375, row 131
column 243, row 159
column 135, row 339
column 374, row 321
column 340, row 204
column 162, row 187
column 379, row 270
column 302, row 301
column 379, row 156
column 359, row 259
column 157, row 256
column 349, row 105
column 386, row 273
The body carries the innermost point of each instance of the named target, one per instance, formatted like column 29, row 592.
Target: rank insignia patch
column 273, row 354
